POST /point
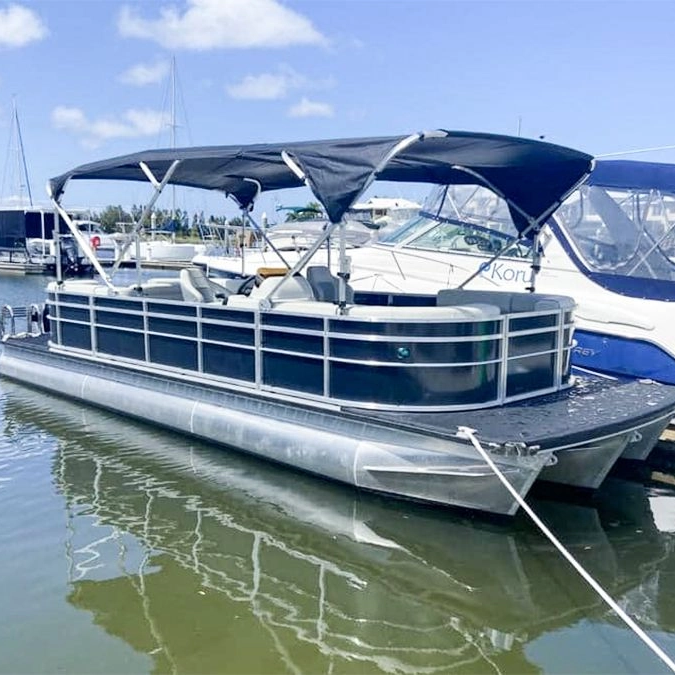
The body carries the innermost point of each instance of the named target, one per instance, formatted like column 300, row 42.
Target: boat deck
column 571, row 414
column 20, row 267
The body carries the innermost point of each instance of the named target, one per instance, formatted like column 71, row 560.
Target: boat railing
column 10, row 316
column 403, row 358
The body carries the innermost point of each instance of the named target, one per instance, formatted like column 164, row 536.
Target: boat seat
column 295, row 289
column 326, row 286
column 315, row 307
column 507, row 301
column 195, row 286
column 476, row 311
column 158, row 289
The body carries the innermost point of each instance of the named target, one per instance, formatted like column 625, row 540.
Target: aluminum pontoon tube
column 369, row 456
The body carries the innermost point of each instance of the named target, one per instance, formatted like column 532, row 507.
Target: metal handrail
column 501, row 359
column 8, row 321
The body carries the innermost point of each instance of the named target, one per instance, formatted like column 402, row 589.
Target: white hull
column 153, row 251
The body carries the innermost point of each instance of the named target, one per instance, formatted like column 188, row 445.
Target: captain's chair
column 326, row 287
column 197, row 287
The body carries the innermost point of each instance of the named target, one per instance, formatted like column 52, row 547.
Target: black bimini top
column 534, row 176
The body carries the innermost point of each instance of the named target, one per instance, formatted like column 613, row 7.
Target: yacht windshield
column 408, row 230
column 462, row 218
column 625, row 232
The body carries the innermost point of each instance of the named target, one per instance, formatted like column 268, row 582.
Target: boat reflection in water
column 211, row 561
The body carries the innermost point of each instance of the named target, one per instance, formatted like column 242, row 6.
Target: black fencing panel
column 174, row 352
column 400, row 385
column 120, row 343
column 232, row 362
column 293, row 372
column 76, row 335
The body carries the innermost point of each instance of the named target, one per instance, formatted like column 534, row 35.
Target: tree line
column 115, row 218
column 182, row 223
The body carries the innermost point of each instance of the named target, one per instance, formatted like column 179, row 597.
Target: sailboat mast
column 23, row 167
column 173, row 128
column 16, row 168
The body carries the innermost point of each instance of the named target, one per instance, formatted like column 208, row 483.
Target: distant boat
column 384, row 212
column 291, row 239
column 104, row 244
column 158, row 242
column 157, row 245
column 161, row 246
column 27, row 243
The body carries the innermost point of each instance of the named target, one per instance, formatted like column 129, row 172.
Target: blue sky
column 91, row 77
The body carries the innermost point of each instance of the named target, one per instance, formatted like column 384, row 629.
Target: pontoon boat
column 285, row 365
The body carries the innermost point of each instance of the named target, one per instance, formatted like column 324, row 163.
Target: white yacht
column 385, row 212
column 103, row 244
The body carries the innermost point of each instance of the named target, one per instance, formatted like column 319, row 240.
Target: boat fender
column 95, row 241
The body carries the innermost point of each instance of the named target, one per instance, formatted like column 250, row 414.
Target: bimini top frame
column 530, row 174
column 533, row 177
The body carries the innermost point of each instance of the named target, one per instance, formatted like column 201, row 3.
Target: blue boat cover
column 633, row 174
column 533, row 175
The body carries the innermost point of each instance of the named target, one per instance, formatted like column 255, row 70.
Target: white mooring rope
column 466, row 432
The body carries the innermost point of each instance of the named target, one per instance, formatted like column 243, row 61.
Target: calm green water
column 124, row 549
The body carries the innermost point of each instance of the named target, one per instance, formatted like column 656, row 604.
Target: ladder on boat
column 12, row 318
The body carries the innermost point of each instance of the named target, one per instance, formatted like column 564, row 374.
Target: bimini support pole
column 470, row 435
column 159, row 187
column 533, row 224
column 82, row 243
column 56, row 236
column 343, row 268
column 246, row 215
column 535, row 267
column 292, row 165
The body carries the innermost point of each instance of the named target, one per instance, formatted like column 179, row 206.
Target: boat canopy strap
column 532, row 174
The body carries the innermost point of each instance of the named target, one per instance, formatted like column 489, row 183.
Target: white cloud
column 267, row 86
column 270, row 86
column 222, row 24
column 19, row 26
column 69, row 119
column 145, row 73
column 131, row 124
column 307, row 108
